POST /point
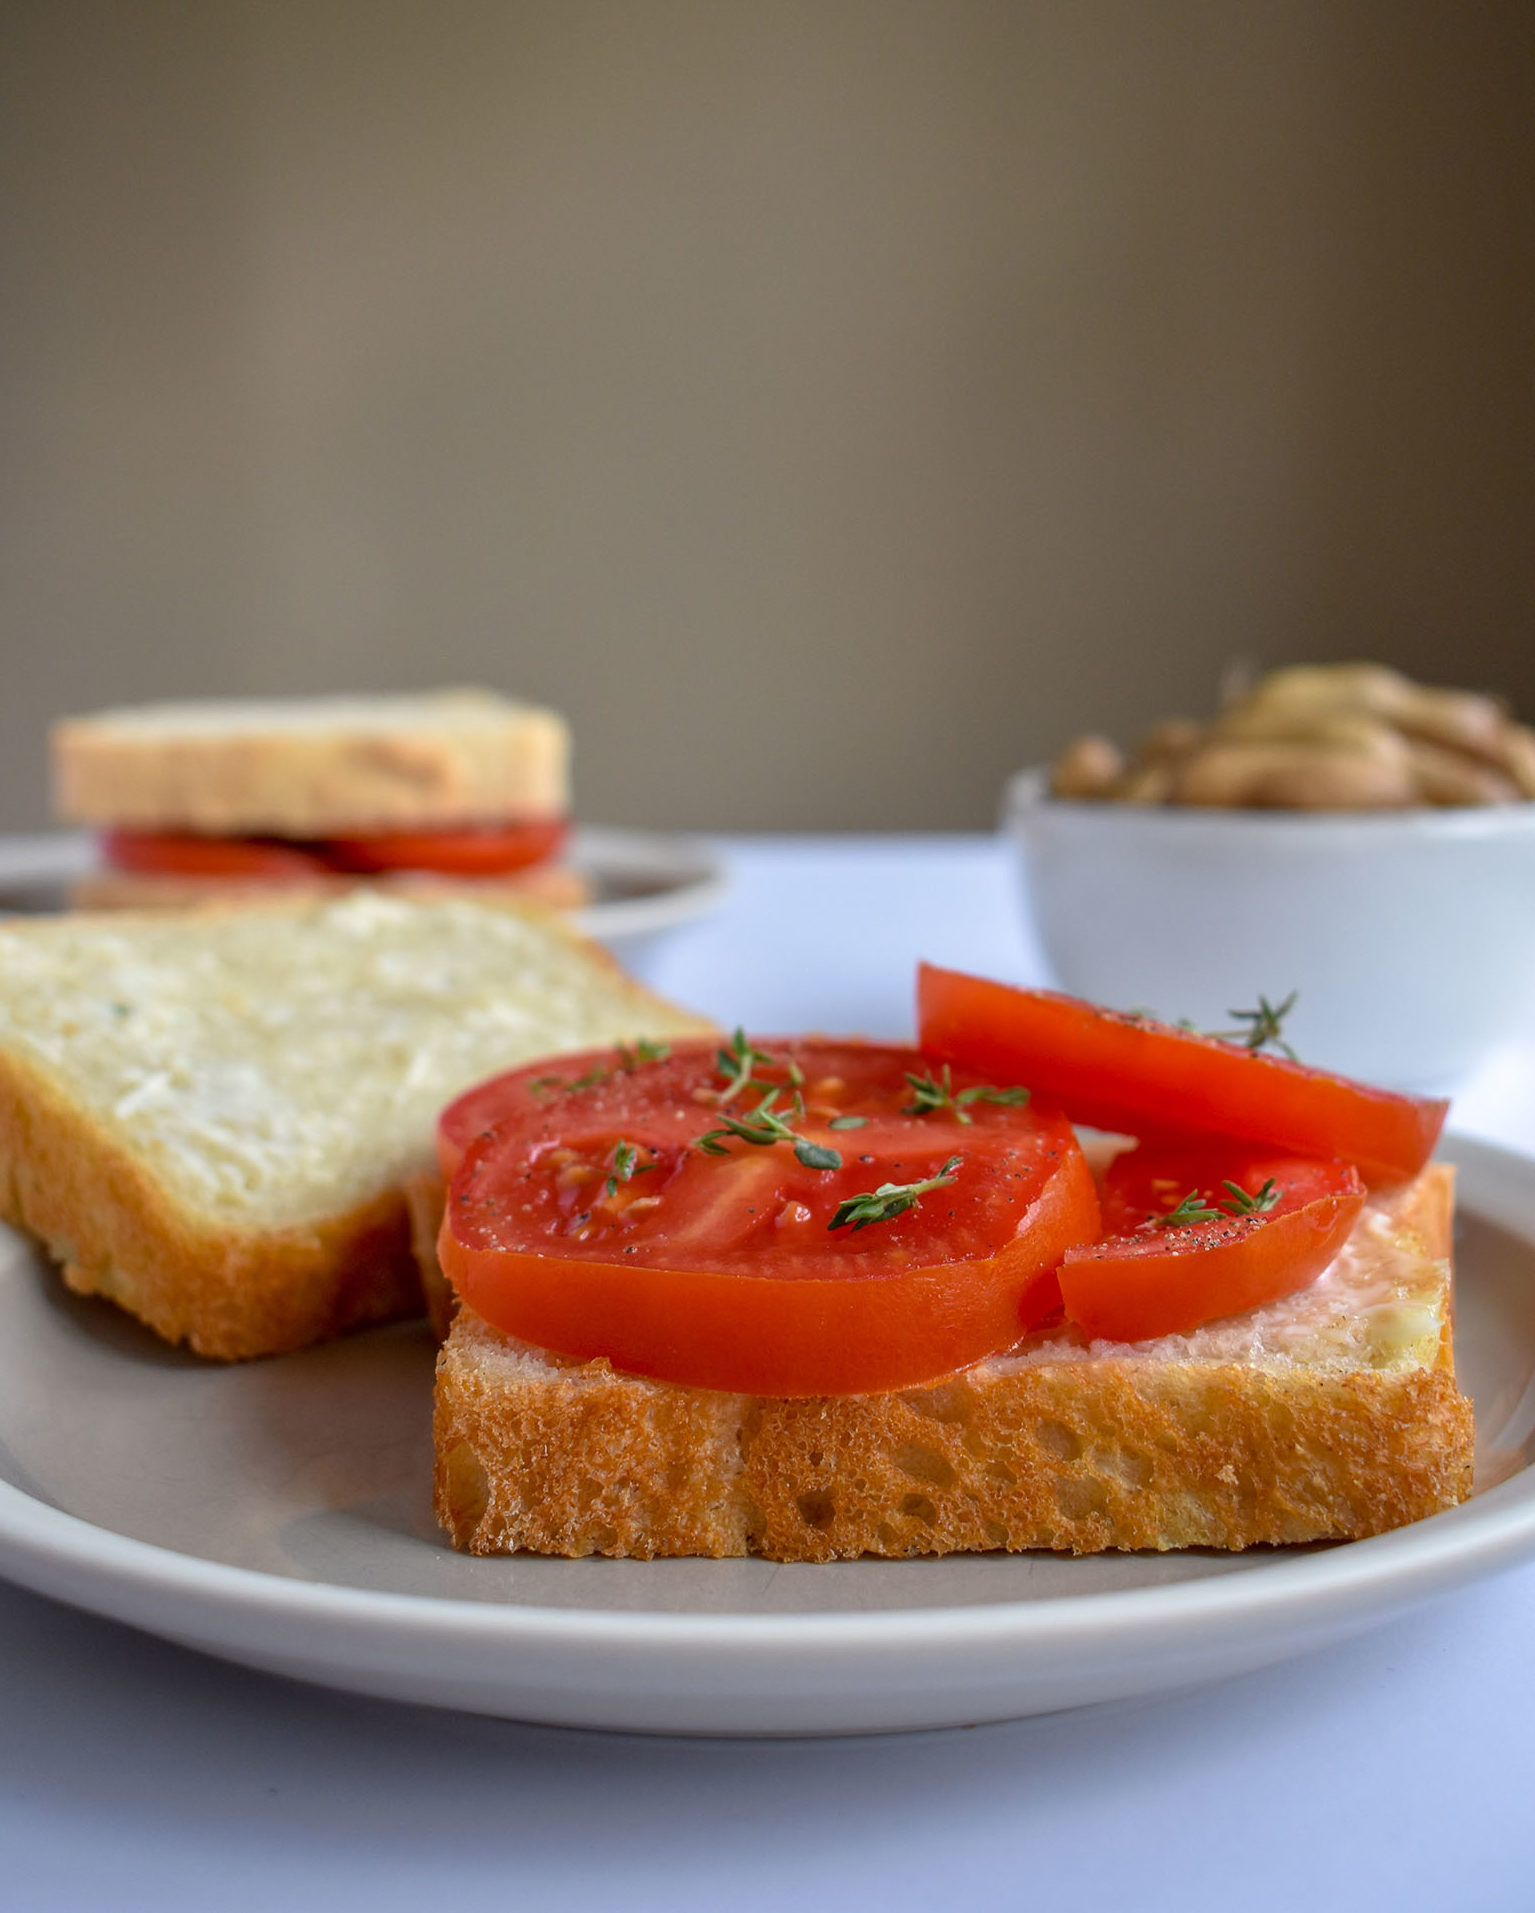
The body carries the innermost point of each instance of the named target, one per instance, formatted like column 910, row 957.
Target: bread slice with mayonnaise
column 1329, row 1415
column 210, row 1117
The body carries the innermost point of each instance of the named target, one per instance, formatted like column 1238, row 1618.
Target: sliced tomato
column 1129, row 1073
column 588, row 1214
column 1154, row 1275
column 164, row 853
column 489, row 850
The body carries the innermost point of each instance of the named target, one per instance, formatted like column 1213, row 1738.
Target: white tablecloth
column 1391, row 1772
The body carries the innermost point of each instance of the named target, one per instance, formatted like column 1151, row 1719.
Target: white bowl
column 1409, row 935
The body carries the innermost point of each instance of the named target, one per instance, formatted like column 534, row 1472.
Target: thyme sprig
column 890, row 1199
column 642, row 1050
column 1194, row 1209
column 1264, row 1025
column 541, row 1085
column 737, row 1060
column 630, row 1056
column 931, row 1093
column 764, row 1125
column 1243, row 1204
column 626, row 1163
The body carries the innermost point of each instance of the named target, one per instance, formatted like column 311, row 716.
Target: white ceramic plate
column 643, row 882
column 277, row 1514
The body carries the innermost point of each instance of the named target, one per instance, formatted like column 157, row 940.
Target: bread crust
column 350, row 767
column 226, row 1294
column 1079, row 1454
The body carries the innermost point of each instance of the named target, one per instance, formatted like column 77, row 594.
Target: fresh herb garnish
column 736, row 1061
column 625, row 1165
column 630, row 1056
column 816, row 1155
column 1194, row 1209
column 1265, row 1025
column 1242, row 1204
column 890, row 1199
column 764, row 1125
column 847, row 1122
column 933, row 1093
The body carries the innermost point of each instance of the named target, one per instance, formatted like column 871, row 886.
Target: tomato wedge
column 490, row 850
column 603, row 1205
column 1260, row 1227
column 1126, row 1072
column 181, row 854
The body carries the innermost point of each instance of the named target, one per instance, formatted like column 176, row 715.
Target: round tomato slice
column 599, row 1209
column 1191, row 1236
column 1129, row 1073
column 182, row 854
column 489, row 850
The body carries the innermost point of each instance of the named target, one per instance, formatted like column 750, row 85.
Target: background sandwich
column 236, row 797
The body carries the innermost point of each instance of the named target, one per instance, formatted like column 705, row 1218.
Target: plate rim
column 694, row 873
column 50, row 1550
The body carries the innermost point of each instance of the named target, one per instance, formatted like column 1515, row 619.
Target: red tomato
column 488, row 850
column 1129, row 1073
column 529, row 1094
column 584, row 1216
column 1150, row 1277
column 181, row 854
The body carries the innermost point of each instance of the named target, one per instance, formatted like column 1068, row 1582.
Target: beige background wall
column 831, row 405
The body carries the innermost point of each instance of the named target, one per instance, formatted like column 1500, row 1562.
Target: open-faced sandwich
column 804, row 1298
column 814, row 1299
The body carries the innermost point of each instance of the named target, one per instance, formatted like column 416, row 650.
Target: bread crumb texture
column 1335, row 1415
column 211, row 1118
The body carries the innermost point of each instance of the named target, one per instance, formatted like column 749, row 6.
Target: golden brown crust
column 1090, row 1455
column 1077, row 1454
column 313, row 767
column 226, row 1294
column 591, row 1464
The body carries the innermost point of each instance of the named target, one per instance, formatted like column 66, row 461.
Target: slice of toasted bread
column 1329, row 1415
column 210, row 1117
column 313, row 767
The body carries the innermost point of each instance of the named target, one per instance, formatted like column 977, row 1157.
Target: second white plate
column 277, row 1514
column 643, row 883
